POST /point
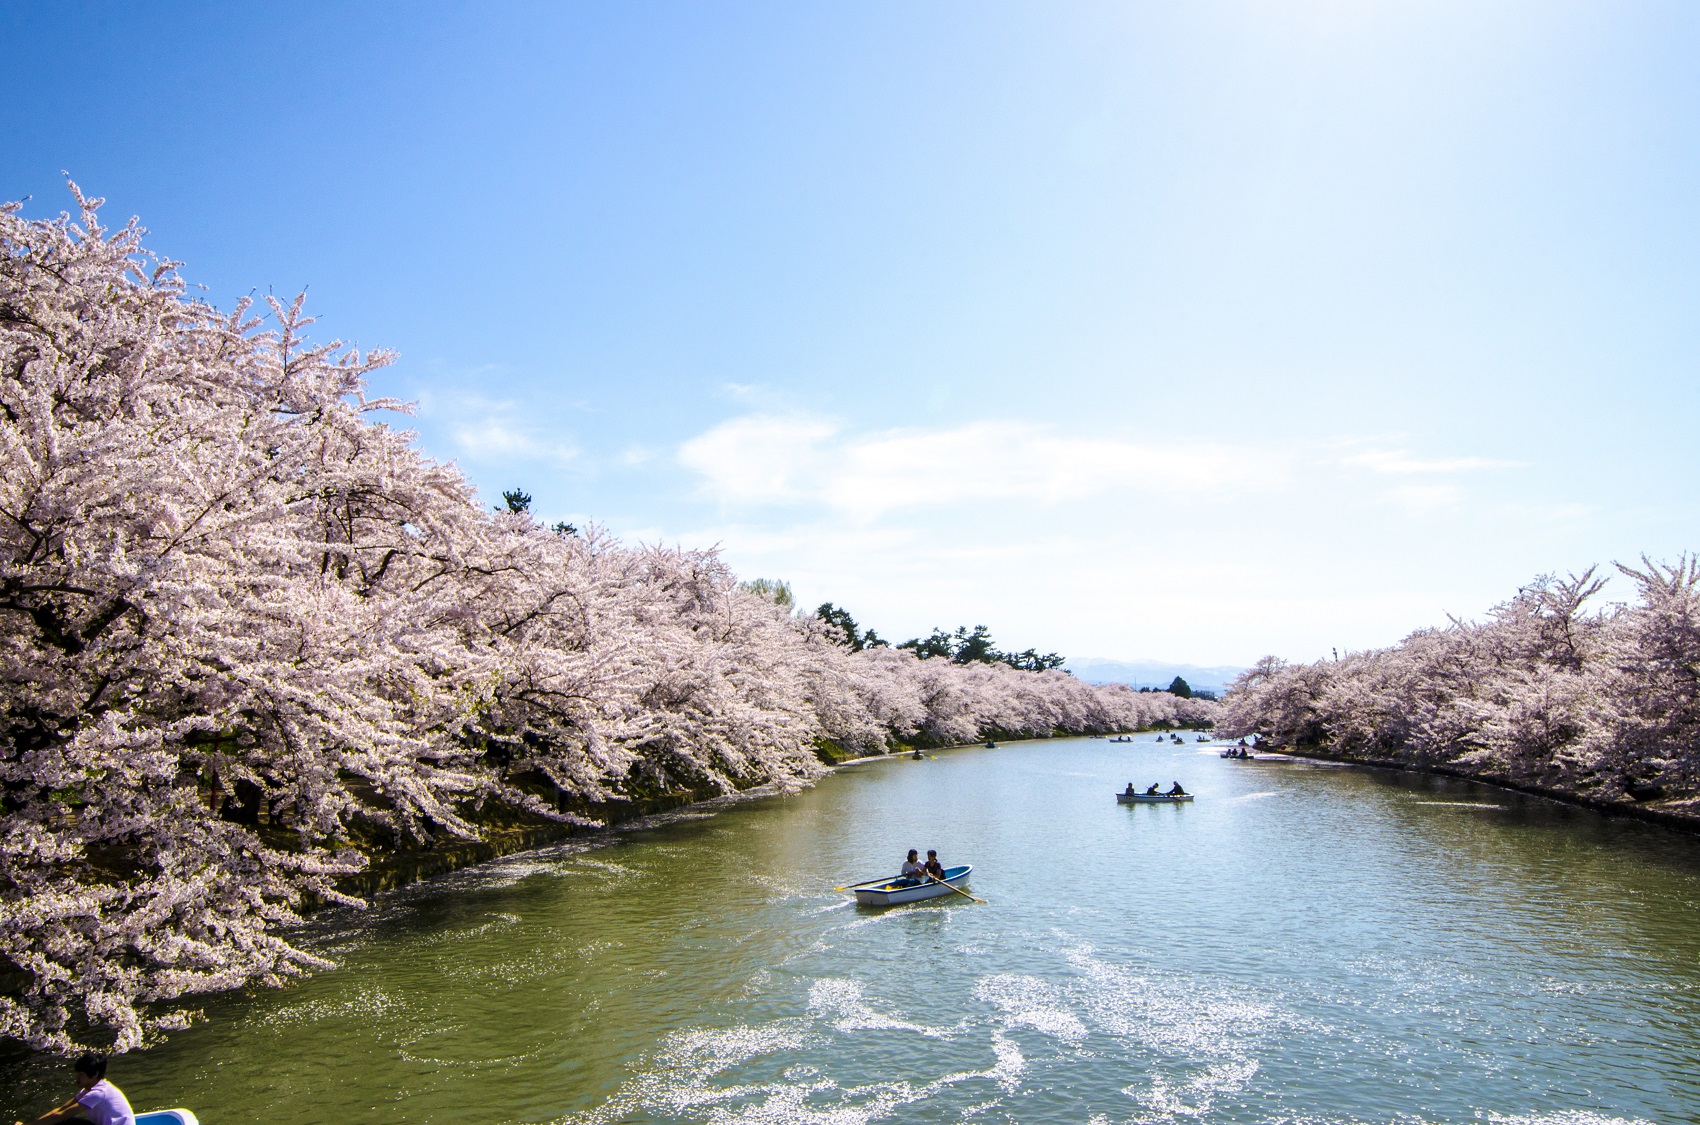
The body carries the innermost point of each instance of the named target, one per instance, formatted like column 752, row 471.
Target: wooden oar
column 957, row 889
column 66, row 1108
column 866, row 882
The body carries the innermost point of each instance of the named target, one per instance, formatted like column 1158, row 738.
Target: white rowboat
column 893, row 891
column 1151, row 798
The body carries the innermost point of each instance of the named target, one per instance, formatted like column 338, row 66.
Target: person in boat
column 1154, row 791
column 1130, row 789
column 1177, row 791
column 914, row 870
column 98, row 1101
column 933, row 867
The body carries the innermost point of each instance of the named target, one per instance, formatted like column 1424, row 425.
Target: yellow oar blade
column 864, row 883
column 958, row 890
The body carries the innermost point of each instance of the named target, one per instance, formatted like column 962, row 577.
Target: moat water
column 1304, row 943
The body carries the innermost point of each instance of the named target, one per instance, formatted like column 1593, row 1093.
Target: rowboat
column 168, row 1117
column 893, row 891
column 1151, row 799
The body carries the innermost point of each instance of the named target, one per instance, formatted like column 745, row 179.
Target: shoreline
column 1688, row 822
column 402, row 869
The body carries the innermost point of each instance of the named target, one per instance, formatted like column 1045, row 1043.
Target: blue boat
column 168, row 1117
column 890, row 892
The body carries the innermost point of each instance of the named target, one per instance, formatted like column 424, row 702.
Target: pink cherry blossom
column 252, row 637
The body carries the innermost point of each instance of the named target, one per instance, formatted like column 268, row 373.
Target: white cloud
column 765, row 459
column 1398, row 461
column 489, row 431
column 1126, row 537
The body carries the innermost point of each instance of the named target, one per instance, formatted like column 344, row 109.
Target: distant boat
column 1151, row 798
column 896, row 891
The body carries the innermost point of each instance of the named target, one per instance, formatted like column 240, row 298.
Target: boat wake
column 852, row 1056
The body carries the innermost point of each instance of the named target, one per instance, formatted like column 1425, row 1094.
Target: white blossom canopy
column 253, row 638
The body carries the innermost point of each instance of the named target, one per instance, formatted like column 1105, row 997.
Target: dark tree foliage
column 855, row 639
column 971, row 646
column 517, row 500
column 1180, row 687
column 565, row 530
column 1032, row 660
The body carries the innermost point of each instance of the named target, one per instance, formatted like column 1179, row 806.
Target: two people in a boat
column 920, row 872
column 97, row 1102
column 1156, row 790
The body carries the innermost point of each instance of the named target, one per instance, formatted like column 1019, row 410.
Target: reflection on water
column 1303, row 943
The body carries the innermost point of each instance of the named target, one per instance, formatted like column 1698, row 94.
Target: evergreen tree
column 773, row 589
column 833, row 615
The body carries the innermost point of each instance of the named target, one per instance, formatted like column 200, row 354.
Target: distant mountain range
column 1152, row 673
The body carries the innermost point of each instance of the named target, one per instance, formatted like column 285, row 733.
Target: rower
column 1154, row 790
column 1177, row 791
column 99, row 1103
column 933, row 867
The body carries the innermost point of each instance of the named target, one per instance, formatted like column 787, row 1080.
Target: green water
column 1303, row 944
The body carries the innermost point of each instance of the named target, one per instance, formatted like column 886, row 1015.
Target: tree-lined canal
column 1304, row 942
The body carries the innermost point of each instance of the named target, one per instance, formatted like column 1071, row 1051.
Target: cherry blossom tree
column 1544, row 691
column 252, row 637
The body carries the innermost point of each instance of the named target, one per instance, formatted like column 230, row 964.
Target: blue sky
column 1193, row 331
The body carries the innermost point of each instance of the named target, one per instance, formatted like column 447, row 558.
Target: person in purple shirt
column 98, row 1103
